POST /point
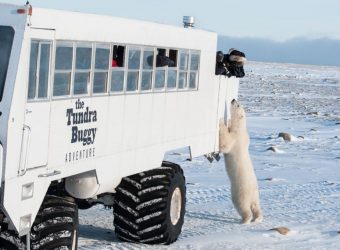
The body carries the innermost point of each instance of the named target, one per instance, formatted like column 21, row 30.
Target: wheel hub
column 176, row 206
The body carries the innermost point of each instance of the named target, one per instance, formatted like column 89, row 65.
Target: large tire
column 9, row 240
column 150, row 206
column 55, row 227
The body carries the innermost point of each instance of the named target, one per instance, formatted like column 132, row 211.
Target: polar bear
column 234, row 143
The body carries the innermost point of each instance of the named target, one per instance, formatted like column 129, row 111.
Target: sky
column 268, row 19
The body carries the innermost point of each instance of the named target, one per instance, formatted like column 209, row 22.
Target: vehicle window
column 132, row 81
column 133, row 69
column 117, row 66
column 82, row 72
column 193, row 80
column 118, row 56
column 182, row 80
column 83, row 57
column 63, row 69
column 173, row 57
column 44, row 69
column 148, row 59
column 64, row 54
column 172, row 79
column 99, row 82
column 32, row 81
column 183, row 69
column 146, row 83
column 184, row 60
column 102, row 63
column 160, row 79
column 194, row 61
column 61, row 84
column 81, row 82
column 39, row 70
column 134, row 58
column 102, row 57
column 117, row 81
column 172, row 70
column 194, row 65
column 162, row 64
column 6, row 42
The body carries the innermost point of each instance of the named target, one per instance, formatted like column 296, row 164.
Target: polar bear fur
column 234, row 143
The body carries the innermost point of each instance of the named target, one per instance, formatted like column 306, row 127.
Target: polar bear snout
column 234, row 101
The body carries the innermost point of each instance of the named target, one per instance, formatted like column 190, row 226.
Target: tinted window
column 193, row 80
column 83, row 58
column 132, row 81
column 134, row 58
column 63, row 57
column 102, row 58
column 184, row 61
column 32, row 81
column 172, row 77
column 182, row 81
column 81, row 81
column 195, row 59
column 117, row 81
column 61, row 84
column 160, row 79
column 39, row 70
column 148, row 59
column 99, row 82
column 63, row 69
column 146, row 80
column 6, row 41
column 44, row 70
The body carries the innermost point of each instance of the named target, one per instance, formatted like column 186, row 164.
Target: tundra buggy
column 88, row 111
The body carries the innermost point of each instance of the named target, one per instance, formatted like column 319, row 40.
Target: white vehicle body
column 124, row 132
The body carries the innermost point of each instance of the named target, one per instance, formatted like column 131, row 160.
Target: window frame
column 119, row 69
column 125, row 69
column 36, row 97
column 197, row 71
column 175, row 68
column 185, row 71
column 63, row 71
column 108, row 70
column 75, row 70
column 151, row 70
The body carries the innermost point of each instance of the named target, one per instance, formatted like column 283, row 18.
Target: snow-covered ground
column 299, row 184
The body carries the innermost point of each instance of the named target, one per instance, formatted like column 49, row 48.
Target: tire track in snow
column 281, row 203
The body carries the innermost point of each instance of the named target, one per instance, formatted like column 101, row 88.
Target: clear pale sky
column 270, row 19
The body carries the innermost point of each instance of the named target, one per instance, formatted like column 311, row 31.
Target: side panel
column 22, row 195
column 9, row 17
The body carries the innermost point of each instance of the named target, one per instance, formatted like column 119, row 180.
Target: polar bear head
column 238, row 117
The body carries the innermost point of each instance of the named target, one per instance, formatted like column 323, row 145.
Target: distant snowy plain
column 299, row 184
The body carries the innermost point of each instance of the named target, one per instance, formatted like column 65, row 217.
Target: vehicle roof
column 70, row 25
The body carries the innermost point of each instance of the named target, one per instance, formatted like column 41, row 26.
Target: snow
column 299, row 184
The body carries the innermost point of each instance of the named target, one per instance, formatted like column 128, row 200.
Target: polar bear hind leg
column 246, row 215
column 257, row 213
column 244, row 210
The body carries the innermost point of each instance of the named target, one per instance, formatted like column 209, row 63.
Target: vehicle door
column 37, row 110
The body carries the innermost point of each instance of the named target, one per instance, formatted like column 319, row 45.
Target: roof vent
column 188, row 21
